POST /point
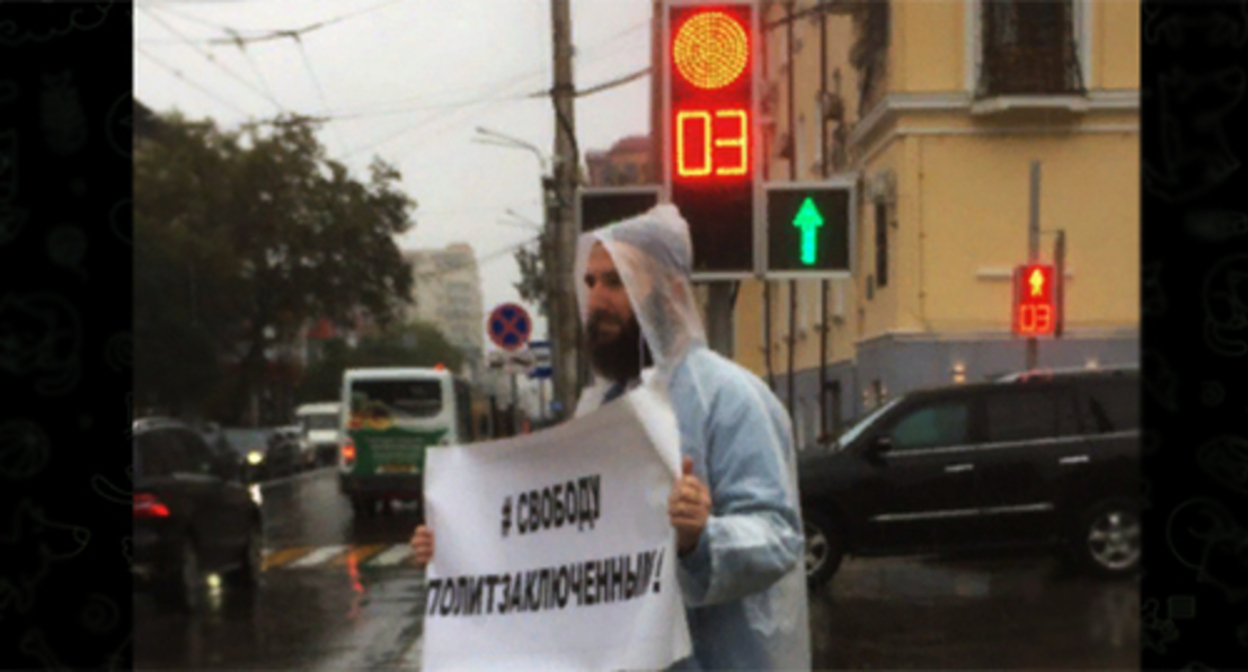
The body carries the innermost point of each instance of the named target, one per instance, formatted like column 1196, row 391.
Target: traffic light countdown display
column 1035, row 305
column 710, row 110
column 809, row 228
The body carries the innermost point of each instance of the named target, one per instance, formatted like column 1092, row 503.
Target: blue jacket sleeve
column 753, row 537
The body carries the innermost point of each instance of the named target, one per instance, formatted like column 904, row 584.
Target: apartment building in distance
column 447, row 292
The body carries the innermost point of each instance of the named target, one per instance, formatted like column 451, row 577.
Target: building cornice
column 896, row 103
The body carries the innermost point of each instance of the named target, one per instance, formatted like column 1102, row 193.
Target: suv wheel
column 1108, row 538
column 824, row 547
column 183, row 588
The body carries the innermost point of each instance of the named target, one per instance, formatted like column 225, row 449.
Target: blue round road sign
column 510, row 326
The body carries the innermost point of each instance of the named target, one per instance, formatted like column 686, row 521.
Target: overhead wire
column 178, row 73
column 320, row 90
column 516, row 84
column 485, row 259
column 275, row 34
column 213, row 60
column 242, row 47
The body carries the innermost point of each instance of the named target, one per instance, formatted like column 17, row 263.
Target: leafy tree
column 534, row 286
column 244, row 236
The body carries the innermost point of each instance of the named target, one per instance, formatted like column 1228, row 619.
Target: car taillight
column 348, row 452
column 147, row 506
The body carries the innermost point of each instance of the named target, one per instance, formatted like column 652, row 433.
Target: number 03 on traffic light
column 705, row 145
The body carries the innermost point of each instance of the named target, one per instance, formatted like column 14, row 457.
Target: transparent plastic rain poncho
column 744, row 587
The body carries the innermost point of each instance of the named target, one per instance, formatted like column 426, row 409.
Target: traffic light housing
column 598, row 207
column 710, row 162
column 1035, row 301
column 810, row 228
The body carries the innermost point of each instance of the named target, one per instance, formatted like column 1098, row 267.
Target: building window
column 881, row 244
column 1028, row 47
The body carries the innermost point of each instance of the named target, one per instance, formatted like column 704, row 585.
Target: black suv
column 192, row 515
column 1037, row 459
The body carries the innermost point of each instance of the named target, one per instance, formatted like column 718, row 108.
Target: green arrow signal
column 808, row 220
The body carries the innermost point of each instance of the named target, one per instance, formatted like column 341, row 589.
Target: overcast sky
column 421, row 75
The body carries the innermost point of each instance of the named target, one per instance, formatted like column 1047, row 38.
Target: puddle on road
column 905, row 613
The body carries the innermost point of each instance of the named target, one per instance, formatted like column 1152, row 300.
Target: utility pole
column 566, row 169
column 1033, row 251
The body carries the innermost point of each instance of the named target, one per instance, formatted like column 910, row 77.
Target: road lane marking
column 317, row 557
column 394, row 556
column 277, row 558
column 359, row 554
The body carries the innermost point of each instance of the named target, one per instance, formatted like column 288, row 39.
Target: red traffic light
column 1035, row 307
column 711, row 49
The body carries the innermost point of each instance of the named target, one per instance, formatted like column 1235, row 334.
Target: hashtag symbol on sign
column 506, row 516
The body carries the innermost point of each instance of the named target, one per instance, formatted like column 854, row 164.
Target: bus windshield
column 396, row 398
column 324, row 421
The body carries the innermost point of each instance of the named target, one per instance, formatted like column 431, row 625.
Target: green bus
column 389, row 416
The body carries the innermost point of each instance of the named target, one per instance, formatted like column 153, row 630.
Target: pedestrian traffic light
column 810, row 228
column 709, row 127
column 598, row 207
column 1035, row 307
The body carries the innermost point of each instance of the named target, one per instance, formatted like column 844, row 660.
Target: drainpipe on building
column 771, row 374
column 823, row 155
column 1033, row 252
column 788, row 11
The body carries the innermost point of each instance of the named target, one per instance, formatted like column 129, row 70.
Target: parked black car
column 192, row 515
column 1048, row 460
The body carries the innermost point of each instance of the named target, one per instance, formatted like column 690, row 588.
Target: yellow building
column 938, row 108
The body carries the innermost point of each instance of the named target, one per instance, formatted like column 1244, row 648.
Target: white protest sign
column 554, row 550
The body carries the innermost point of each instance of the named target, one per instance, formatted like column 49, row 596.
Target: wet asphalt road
column 340, row 594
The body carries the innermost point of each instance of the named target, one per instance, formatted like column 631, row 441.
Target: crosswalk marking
column 394, row 556
column 358, row 555
column 318, row 556
column 364, row 555
column 283, row 556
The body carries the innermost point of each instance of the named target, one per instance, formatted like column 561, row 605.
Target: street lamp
column 488, row 137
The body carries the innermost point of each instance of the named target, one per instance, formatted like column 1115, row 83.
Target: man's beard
column 619, row 358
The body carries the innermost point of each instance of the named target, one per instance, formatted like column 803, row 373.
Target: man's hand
column 688, row 506
column 422, row 544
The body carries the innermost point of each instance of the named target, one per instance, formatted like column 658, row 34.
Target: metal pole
column 823, row 155
column 515, row 406
column 1059, row 268
column 566, row 168
column 541, row 399
column 1033, row 252
column 719, row 317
